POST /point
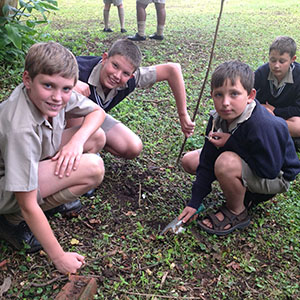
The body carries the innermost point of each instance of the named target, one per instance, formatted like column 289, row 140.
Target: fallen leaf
column 94, row 221
column 234, row 265
column 130, row 213
column 163, row 279
column 5, row 286
column 74, row 242
column 3, row 263
column 172, row 266
column 149, row 272
column 182, row 288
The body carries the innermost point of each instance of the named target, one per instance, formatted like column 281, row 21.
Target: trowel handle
column 200, row 209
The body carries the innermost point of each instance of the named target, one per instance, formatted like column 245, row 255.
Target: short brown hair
column 51, row 58
column 284, row 44
column 233, row 70
column 128, row 49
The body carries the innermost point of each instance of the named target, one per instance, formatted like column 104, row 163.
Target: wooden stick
column 206, row 76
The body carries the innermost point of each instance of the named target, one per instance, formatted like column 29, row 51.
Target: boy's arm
column 68, row 157
column 172, row 73
column 82, row 88
column 65, row 262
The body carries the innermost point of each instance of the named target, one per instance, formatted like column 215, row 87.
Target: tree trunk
column 13, row 3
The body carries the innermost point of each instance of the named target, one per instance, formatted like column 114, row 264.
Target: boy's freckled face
column 231, row 100
column 49, row 93
column 279, row 64
column 115, row 72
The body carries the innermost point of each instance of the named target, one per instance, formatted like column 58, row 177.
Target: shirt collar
column 288, row 78
column 220, row 125
column 94, row 81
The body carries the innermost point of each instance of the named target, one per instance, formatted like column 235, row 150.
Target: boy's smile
column 280, row 64
column 115, row 72
column 231, row 100
column 49, row 93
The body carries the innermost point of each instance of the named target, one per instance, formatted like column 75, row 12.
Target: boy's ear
column 104, row 56
column 294, row 58
column 26, row 79
column 251, row 96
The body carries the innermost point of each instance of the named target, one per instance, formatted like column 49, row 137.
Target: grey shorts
column 114, row 2
column 146, row 2
column 109, row 123
column 259, row 185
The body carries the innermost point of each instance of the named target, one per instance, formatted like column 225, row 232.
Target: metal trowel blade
column 175, row 227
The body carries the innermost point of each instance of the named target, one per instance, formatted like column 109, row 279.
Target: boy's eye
column 66, row 89
column 217, row 95
column 47, row 85
column 115, row 65
column 126, row 74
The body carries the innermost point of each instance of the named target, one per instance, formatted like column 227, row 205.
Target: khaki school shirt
column 26, row 138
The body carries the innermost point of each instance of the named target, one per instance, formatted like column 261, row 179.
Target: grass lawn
column 118, row 229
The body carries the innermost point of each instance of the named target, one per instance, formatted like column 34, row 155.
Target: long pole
column 206, row 76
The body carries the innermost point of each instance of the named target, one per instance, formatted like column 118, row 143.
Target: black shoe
column 136, row 37
column 156, row 37
column 66, row 209
column 108, row 30
column 19, row 234
column 123, row 30
column 296, row 141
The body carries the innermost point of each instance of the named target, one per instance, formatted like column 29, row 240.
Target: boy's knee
column 227, row 162
column 100, row 139
column 133, row 149
column 96, row 170
column 190, row 161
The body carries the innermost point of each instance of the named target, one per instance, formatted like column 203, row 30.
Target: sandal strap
column 229, row 218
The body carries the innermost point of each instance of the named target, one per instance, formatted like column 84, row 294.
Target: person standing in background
column 119, row 4
column 141, row 20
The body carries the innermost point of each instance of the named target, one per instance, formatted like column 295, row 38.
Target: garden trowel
column 176, row 226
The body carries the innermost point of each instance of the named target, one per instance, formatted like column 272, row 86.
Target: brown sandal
column 236, row 221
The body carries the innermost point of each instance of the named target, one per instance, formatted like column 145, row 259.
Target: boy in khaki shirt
column 42, row 164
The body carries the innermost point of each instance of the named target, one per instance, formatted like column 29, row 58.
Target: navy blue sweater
column 287, row 104
column 86, row 65
column 263, row 141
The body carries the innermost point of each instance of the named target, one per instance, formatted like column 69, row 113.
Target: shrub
column 17, row 27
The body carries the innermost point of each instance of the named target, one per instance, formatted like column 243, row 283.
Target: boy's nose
column 57, row 95
column 226, row 101
column 118, row 74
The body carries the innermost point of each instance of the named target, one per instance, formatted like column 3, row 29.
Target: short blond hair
column 51, row 58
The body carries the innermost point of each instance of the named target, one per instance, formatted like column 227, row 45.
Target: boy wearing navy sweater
column 248, row 150
column 277, row 84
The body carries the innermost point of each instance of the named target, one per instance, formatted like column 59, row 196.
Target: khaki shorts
column 146, row 2
column 109, row 123
column 114, row 2
column 259, row 185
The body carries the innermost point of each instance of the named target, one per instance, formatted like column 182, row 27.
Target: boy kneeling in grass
column 42, row 164
column 248, row 150
column 278, row 84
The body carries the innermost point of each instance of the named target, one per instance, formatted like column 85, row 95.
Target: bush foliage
column 17, row 27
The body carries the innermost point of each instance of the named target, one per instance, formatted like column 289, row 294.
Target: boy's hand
column 82, row 88
column 269, row 107
column 68, row 158
column 187, row 213
column 218, row 139
column 187, row 126
column 69, row 262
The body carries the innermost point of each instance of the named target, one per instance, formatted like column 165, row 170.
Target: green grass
column 123, row 249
